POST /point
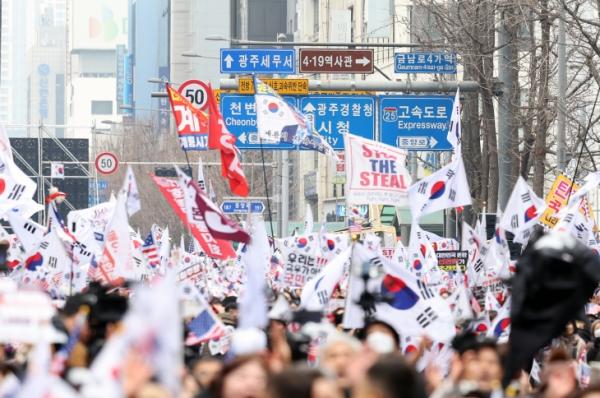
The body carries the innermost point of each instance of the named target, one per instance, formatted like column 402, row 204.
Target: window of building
column 102, row 107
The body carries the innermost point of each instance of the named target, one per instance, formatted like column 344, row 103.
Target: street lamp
column 192, row 54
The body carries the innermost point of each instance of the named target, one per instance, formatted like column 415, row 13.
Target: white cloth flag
column 571, row 220
column 16, row 189
column 89, row 225
column 421, row 256
column 256, row 256
column 522, row 211
column 116, row 261
column 309, row 224
column 201, row 180
column 414, row 308
column 130, row 189
column 455, row 132
column 591, row 181
column 57, row 171
column 317, row 291
column 48, row 263
column 164, row 252
column 375, row 173
column 444, row 189
column 29, row 232
column 276, row 120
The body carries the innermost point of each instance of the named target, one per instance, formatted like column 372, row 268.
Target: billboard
column 98, row 24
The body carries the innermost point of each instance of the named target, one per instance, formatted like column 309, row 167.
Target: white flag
column 89, row 225
column 253, row 303
column 16, row 189
column 276, row 120
column 116, row 261
column 28, row 231
column 501, row 327
column 201, row 181
column 421, row 255
column 164, row 252
column 308, row 221
column 522, row 211
column 57, row 170
column 317, row 291
column 591, row 181
column 376, row 173
column 455, row 133
column 414, row 308
column 130, row 189
column 444, row 189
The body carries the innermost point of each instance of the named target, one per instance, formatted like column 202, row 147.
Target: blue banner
column 415, row 122
column 438, row 62
column 334, row 116
column 256, row 60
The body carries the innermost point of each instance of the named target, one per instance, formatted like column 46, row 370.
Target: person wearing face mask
column 593, row 354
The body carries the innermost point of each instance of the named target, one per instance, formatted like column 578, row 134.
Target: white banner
column 375, row 173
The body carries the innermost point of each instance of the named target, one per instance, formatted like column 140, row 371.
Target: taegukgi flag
column 375, row 172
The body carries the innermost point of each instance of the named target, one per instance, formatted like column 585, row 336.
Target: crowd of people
column 285, row 361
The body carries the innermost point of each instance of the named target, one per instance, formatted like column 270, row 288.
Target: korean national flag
column 522, row 211
column 57, row 171
column 277, row 120
column 411, row 307
column 444, row 189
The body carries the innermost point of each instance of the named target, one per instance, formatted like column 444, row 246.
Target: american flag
column 354, row 227
column 150, row 251
column 205, row 326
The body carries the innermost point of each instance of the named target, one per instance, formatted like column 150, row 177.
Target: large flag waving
column 444, row 189
column 375, row 172
column 454, row 133
column 220, row 138
column 277, row 120
column 522, row 211
column 413, row 308
column 200, row 210
column 192, row 124
column 174, row 193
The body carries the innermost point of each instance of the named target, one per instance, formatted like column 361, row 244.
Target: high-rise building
column 46, row 67
column 13, row 79
column 148, row 56
column 96, row 29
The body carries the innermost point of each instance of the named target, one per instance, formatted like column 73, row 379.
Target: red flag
column 174, row 193
column 220, row 138
column 200, row 209
column 192, row 123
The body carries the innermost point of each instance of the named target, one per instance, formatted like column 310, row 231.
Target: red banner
column 192, row 124
column 215, row 248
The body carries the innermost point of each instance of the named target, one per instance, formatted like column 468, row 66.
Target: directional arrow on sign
column 228, row 60
column 432, row 142
column 242, row 138
column 309, row 108
column 364, row 61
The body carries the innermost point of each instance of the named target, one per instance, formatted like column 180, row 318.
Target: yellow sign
column 282, row 86
column 556, row 198
column 340, row 92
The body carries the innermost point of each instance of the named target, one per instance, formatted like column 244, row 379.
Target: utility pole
column 506, row 110
column 562, row 92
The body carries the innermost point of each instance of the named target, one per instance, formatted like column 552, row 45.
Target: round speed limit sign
column 106, row 163
column 196, row 92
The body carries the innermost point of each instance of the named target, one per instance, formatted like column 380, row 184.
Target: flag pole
column 262, row 158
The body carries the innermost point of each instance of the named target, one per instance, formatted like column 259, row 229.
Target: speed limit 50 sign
column 196, row 92
column 106, row 163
